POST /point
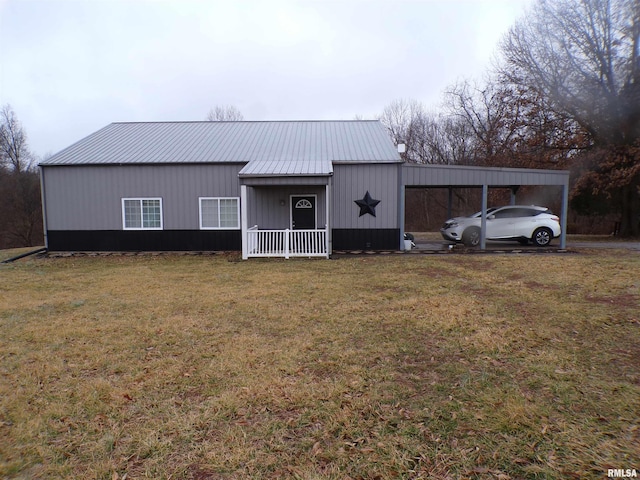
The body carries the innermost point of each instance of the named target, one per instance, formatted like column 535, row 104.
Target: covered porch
column 285, row 213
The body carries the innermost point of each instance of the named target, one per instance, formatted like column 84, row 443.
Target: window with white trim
column 219, row 213
column 142, row 213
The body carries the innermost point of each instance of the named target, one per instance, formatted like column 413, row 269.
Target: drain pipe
column 22, row 255
column 44, row 207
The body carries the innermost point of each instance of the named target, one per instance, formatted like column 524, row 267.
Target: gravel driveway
column 432, row 244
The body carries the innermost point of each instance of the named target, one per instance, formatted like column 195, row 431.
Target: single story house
column 283, row 188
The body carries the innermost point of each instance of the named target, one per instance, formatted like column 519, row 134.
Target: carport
column 455, row 176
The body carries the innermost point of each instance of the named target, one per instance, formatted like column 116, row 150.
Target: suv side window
column 505, row 213
column 527, row 212
column 516, row 213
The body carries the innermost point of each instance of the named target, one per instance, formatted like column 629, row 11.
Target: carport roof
column 459, row 175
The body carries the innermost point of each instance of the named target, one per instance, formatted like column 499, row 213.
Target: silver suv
column 514, row 222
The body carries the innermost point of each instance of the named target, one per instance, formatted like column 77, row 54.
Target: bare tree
column 399, row 118
column 583, row 59
column 408, row 122
column 14, row 152
column 20, row 209
column 511, row 126
column 429, row 137
column 224, row 113
column 20, row 204
column 492, row 116
column 449, row 141
column 582, row 54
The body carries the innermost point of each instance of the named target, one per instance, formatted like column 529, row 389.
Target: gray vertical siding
column 266, row 211
column 351, row 182
column 89, row 197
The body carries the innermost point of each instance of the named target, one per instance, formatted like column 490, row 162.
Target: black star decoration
column 367, row 205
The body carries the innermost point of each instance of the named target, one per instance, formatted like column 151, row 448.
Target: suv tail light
column 557, row 219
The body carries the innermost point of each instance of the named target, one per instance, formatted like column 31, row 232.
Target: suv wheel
column 471, row 237
column 542, row 237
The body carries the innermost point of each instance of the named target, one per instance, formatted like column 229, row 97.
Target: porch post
column 244, row 221
column 328, row 214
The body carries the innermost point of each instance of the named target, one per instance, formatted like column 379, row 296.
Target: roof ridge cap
column 240, row 121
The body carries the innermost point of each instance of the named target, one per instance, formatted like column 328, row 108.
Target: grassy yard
column 364, row 367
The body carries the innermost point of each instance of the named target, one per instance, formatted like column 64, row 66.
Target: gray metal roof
column 273, row 148
column 268, row 168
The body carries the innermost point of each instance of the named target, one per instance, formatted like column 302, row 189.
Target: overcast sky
column 71, row 67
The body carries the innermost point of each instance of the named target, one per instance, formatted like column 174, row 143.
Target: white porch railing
column 286, row 243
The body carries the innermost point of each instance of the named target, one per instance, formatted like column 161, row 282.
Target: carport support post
column 563, row 215
column 514, row 191
column 450, row 203
column 401, row 207
column 483, row 221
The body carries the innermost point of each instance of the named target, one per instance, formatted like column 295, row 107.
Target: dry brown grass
column 398, row 366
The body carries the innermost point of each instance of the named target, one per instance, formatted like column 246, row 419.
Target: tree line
column 20, row 200
column 564, row 93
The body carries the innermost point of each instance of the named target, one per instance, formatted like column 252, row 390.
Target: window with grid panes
column 220, row 213
column 142, row 213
